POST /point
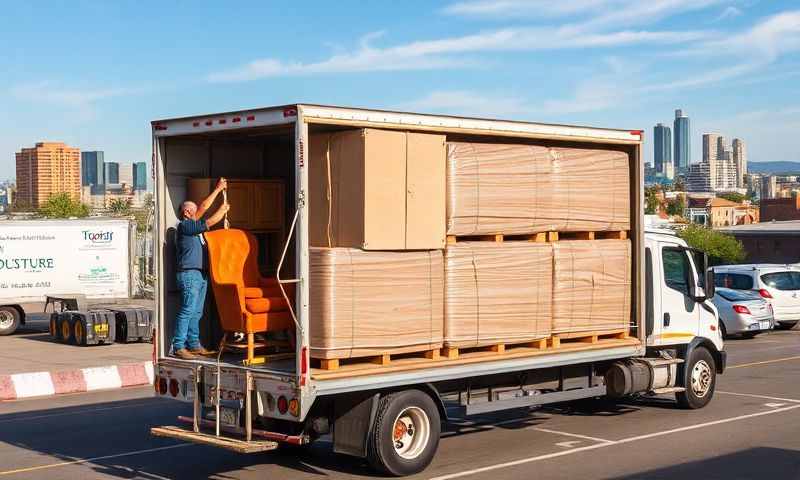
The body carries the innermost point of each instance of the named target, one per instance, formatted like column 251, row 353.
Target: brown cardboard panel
column 592, row 285
column 384, row 158
column 426, row 167
column 523, row 189
column 347, row 162
column 497, row 293
column 371, row 303
column 318, row 189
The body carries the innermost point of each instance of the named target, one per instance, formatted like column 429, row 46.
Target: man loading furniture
column 192, row 272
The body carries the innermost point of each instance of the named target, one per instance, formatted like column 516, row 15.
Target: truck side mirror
column 710, row 286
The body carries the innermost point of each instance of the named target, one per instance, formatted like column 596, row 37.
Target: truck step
column 233, row 444
column 661, row 391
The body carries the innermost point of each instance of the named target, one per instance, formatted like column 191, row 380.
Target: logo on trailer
column 102, row 236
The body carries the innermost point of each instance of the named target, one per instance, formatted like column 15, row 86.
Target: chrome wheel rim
column 701, row 379
column 411, row 433
column 6, row 319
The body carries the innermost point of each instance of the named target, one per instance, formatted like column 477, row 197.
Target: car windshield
column 737, row 295
column 782, row 280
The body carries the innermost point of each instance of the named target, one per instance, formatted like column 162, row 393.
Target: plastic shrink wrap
column 497, row 293
column 374, row 302
column 592, row 286
column 524, row 189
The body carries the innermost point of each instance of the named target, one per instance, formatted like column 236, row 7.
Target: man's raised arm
column 222, row 184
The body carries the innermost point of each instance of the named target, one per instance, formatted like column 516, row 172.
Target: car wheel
column 785, row 325
column 405, row 435
column 10, row 319
column 699, row 378
column 750, row 334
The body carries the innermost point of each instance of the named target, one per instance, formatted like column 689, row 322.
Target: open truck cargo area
column 409, row 260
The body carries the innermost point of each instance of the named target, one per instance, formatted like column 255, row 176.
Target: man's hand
column 218, row 215
column 222, row 184
column 224, row 208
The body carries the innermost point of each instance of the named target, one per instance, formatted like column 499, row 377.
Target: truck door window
column 676, row 269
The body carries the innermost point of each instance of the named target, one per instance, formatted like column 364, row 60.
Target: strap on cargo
column 226, row 224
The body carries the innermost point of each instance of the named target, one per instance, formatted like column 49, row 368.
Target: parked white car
column 743, row 312
column 777, row 284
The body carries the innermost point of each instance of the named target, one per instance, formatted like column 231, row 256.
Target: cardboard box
column 377, row 190
column 592, row 286
column 373, row 303
column 525, row 189
column 497, row 293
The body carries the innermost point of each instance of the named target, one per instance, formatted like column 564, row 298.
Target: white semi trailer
column 392, row 414
column 91, row 258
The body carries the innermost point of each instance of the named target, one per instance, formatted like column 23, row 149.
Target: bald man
column 192, row 273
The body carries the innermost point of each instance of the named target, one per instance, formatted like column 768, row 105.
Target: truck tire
column 786, row 325
column 405, row 435
column 699, row 379
column 67, row 335
column 55, row 326
column 10, row 319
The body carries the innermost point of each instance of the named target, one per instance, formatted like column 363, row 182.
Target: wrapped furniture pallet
column 526, row 189
column 497, row 293
column 368, row 303
column 591, row 287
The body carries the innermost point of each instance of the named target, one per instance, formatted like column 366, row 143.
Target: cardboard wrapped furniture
column 524, row 189
column 592, row 286
column 497, row 293
column 377, row 190
column 246, row 301
column 367, row 303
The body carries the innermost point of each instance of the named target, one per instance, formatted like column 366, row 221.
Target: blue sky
column 94, row 74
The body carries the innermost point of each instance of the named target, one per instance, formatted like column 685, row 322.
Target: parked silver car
column 743, row 312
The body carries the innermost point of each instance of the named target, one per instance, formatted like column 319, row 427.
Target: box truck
column 425, row 261
column 90, row 258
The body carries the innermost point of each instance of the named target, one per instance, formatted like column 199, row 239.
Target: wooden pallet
column 384, row 360
column 587, row 337
column 452, row 353
column 541, row 237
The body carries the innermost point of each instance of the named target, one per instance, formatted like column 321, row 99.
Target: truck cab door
column 678, row 319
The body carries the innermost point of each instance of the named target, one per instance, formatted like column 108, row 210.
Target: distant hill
column 774, row 168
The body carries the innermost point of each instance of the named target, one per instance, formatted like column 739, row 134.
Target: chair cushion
column 258, row 292
column 265, row 304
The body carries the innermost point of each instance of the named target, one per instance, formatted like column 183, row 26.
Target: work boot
column 202, row 352
column 184, row 354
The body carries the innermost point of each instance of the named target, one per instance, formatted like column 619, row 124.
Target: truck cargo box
column 524, row 189
column 374, row 303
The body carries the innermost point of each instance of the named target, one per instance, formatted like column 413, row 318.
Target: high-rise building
column 662, row 148
column 126, row 173
column 711, row 154
column 140, row 176
column 769, row 187
column 112, row 172
column 45, row 170
column 698, row 178
column 681, row 150
column 740, row 159
column 93, row 171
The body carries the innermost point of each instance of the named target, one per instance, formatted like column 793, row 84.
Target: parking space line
column 567, row 434
column 765, row 397
column 93, row 459
column 785, row 359
column 73, row 412
column 610, row 443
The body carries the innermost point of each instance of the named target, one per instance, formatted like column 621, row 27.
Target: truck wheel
column 785, row 325
column 66, row 330
column 405, row 435
column 9, row 320
column 79, row 333
column 699, row 379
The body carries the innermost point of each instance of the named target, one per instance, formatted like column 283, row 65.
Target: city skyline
column 616, row 64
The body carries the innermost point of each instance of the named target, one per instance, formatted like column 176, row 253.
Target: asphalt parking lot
column 750, row 430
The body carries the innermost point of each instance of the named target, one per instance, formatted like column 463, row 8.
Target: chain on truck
column 388, row 405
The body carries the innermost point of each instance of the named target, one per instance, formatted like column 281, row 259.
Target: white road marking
column 774, row 405
column 98, row 378
column 765, row 397
column 93, row 459
column 36, row 384
column 609, row 443
column 567, row 434
column 568, row 444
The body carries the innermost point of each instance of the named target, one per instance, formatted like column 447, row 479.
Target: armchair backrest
column 229, row 253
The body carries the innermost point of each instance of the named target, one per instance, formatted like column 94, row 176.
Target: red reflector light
column 289, row 112
column 294, row 407
column 283, row 404
column 223, row 121
column 764, row 293
column 236, row 119
column 250, row 118
column 162, row 386
column 196, row 124
column 156, row 381
column 741, row 309
column 637, row 132
column 209, row 123
column 160, row 127
column 173, row 387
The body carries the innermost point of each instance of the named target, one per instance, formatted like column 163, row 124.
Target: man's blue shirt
column 190, row 252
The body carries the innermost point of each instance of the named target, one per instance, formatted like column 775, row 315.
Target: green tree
column 62, row 205
column 720, row 247
column 733, row 197
column 651, row 200
column 120, row 207
column 675, row 206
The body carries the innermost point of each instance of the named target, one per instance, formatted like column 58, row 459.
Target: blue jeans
column 193, row 286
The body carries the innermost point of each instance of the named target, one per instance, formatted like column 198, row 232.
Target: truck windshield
column 782, row 280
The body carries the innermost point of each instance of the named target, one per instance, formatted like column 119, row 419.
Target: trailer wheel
column 80, row 334
column 699, row 379
column 66, row 330
column 405, row 435
column 10, row 319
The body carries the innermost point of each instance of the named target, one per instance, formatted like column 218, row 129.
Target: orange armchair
column 246, row 301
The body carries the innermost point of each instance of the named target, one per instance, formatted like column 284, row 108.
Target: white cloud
column 46, row 92
column 729, row 12
column 515, row 8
